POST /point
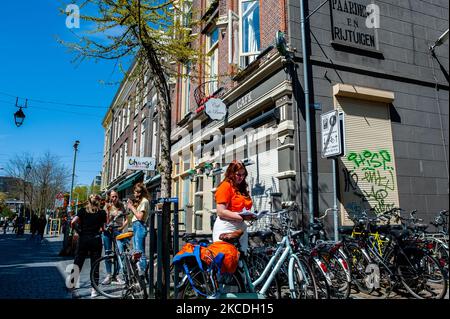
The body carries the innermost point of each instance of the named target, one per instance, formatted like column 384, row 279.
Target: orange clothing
column 229, row 196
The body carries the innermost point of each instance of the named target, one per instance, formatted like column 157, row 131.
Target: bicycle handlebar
column 111, row 223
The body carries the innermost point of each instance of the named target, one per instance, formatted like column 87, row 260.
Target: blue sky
column 34, row 65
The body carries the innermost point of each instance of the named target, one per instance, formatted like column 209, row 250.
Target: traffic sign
column 332, row 144
column 59, row 200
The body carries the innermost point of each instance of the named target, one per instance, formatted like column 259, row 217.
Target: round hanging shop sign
column 215, row 109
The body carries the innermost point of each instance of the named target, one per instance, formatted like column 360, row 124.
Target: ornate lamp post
column 75, row 147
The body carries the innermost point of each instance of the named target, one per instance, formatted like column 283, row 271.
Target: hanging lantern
column 19, row 116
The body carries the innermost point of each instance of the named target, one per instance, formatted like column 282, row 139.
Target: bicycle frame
column 282, row 253
column 377, row 242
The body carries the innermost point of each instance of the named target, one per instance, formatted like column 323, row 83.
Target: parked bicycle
column 210, row 283
column 122, row 265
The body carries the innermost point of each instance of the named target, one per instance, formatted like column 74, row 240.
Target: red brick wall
column 271, row 20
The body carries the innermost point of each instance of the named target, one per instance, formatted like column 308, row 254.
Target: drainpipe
column 307, row 112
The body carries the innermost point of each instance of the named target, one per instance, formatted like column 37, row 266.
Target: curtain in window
column 250, row 27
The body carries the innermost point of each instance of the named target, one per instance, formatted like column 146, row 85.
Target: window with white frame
column 136, row 101
column 145, row 89
column 186, row 88
column 111, row 176
column 186, row 156
column 249, row 30
column 116, row 164
column 134, row 150
column 106, row 145
column 213, row 60
column 128, row 111
column 124, row 119
column 125, row 153
column 187, row 13
column 119, row 124
column 116, row 128
column 120, row 160
column 186, row 196
column 154, row 138
column 142, row 142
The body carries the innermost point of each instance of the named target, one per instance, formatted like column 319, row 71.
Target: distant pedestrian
column 33, row 225
column 89, row 223
column 41, row 223
column 65, row 230
column 5, row 226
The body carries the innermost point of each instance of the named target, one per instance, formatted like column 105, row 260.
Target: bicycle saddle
column 231, row 237
column 124, row 235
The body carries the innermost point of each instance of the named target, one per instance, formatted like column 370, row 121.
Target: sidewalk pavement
column 32, row 270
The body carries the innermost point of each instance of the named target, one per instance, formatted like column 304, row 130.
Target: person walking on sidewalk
column 89, row 223
column 140, row 209
column 113, row 209
column 41, row 223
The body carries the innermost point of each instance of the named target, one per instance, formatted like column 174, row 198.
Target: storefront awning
column 129, row 181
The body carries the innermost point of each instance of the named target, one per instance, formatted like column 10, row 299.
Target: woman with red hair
column 232, row 197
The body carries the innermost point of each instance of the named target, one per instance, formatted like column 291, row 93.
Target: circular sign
column 215, row 109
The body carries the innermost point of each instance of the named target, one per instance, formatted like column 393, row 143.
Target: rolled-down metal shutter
column 367, row 172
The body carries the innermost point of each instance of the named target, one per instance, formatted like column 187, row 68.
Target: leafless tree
column 42, row 182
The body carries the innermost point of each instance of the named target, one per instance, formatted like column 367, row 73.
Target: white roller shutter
column 367, row 172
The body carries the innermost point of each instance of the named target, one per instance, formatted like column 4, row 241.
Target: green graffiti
column 375, row 178
column 369, row 161
column 371, row 179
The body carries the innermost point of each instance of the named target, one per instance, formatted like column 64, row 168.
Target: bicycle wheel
column 207, row 285
column 340, row 281
column 256, row 264
column 107, row 288
column 137, row 288
column 302, row 284
column 441, row 254
column 320, row 275
column 423, row 277
column 371, row 278
column 358, row 263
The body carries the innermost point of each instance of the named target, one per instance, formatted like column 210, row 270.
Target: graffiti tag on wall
column 369, row 182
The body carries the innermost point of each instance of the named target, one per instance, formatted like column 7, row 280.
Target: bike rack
column 163, row 208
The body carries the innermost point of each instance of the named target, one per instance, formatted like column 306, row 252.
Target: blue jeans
column 139, row 234
column 107, row 244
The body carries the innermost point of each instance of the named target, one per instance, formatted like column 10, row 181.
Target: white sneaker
column 118, row 281
column 107, row 280
column 94, row 293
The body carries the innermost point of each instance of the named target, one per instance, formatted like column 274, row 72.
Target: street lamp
column 75, row 147
column 19, row 116
column 439, row 41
